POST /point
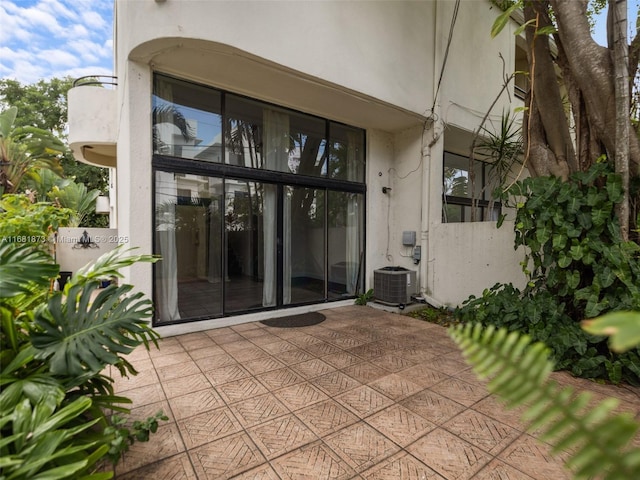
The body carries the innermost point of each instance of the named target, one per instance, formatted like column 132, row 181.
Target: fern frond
column 518, row 372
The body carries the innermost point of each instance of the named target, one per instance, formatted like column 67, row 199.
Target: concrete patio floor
column 366, row 394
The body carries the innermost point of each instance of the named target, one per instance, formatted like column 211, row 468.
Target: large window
column 257, row 206
column 460, row 197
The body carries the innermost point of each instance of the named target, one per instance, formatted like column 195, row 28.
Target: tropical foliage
column 43, row 105
column 598, row 442
column 26, row 222
column 577, row 267
column 54, row 347
column 23, row 149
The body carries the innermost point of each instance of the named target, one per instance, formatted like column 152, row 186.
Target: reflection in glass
column 187, row 120
column 188, row 226
column 251, row 220
column 346, row 157
column 346, row 243
column 261, row 136
column 304, row 244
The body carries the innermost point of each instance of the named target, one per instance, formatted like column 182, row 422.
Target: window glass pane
column 457, row 181
column 346, row 157
column 303, row 245
column 188, row 231
column 346, row 243
column 308, row 146
column 251, row 227
column 452, row 213
column 262, row 136
column 243, row 132
column 186, row 120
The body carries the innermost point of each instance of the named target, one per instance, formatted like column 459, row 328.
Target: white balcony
column 93, row 121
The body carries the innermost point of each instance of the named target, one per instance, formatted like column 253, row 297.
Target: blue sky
column 55, row 38
column 58, row 38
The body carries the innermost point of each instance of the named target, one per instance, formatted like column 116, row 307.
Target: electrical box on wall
column 408, row 239
column 417, row 254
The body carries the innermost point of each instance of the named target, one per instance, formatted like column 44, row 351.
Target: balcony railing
column 96, row 80
column 92, row 120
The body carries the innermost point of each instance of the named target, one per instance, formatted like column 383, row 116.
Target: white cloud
column 59, row 58
column 55, row 38
column 94, row 20
column 77, row 31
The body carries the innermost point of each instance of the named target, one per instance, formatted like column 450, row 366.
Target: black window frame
column 223, row 170
column 464, row 203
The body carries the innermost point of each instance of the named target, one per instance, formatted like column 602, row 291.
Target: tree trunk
column 621, row 62
column 550, row 146
column 592, row 70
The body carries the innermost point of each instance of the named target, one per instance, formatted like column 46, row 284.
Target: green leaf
column 522, row 27
column 77, row 337
column 107, row 266
column 548, row 30
column 559, row 241
column 623, row 328
column 7, row 119
column 564, row 260
column 593, row 439
column 21, row 265
column 503, row 19
column 573, row 280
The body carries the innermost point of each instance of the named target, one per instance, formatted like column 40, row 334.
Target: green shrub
column 577, row 267
column 539, row 315
column 54, row 347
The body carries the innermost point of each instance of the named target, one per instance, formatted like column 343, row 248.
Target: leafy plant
column 441, row 316
column 23, row 149
column 123, row 435
column 54, row 347
column 573, row 242
column 365, row 297
column 22, row 221
column 597, row 441
column 577, row 267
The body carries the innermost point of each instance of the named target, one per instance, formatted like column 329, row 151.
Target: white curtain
column 353, row 219
column 275, row 135
column 166, row 194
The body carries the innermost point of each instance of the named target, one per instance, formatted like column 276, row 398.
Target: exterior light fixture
column 102, row 205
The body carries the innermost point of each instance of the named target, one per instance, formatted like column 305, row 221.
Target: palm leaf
column 22, row 264
column 107, row 266
column 77, row 337
column 598, row 441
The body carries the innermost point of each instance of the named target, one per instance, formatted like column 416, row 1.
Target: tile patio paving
column 366, row 394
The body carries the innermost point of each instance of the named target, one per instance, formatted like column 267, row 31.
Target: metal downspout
column 426, row 286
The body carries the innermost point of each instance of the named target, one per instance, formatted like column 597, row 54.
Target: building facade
column 276, row 154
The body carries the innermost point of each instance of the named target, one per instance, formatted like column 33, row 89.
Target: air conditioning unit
column 394, row 285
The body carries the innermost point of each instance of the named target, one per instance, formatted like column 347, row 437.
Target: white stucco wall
column 479, row 256
column 370, row 64
column 72, row 259
column 133, row 174
column 361, row 46
column 476, row 65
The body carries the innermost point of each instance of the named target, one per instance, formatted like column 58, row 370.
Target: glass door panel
column 304, row 245
column 346, row 243
column 188, row 230
column 251, row 256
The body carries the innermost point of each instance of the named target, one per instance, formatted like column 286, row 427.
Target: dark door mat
column 302, row 320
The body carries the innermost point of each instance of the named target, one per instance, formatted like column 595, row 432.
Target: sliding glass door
column 256, row 206
column 250, row 256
